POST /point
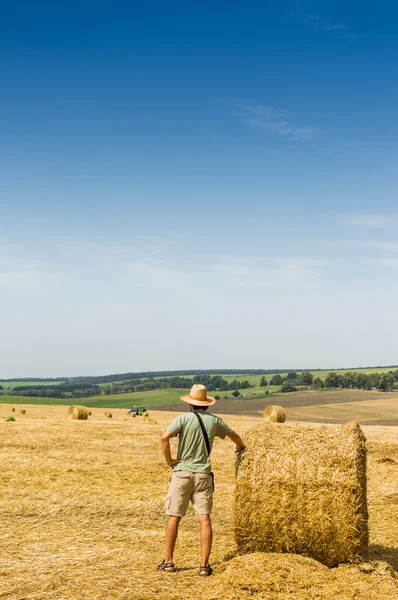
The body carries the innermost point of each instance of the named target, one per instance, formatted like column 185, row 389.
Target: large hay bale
column 274, row 414
column 108, row 415
column 302, row 490
column 77, row 412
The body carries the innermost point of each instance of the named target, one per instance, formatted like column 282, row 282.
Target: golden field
column 82, row 518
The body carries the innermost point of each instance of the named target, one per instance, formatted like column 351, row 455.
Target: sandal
column 166, row 566
column 205, row 571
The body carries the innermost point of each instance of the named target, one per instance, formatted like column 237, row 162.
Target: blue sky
column 197, row 185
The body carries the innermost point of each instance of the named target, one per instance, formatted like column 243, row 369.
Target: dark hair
column 202, row 407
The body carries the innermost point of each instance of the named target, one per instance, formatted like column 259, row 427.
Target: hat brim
column 189, row 400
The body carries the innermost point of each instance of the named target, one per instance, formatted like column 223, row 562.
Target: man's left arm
column 226, row 430
column 165, row 446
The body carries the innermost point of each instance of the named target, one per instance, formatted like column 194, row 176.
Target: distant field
column 10, row 385
column 366, row 412
column 255, row 379
column 150, row 398
column 6, row 399
column 162, row 397
column 370, row 407
column 252, row 379
column 256, row 390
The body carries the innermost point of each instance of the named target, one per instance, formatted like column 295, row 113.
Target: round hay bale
column 108, row 415
column 89, row 413
column 274, row 414
column 133, row 415
column 22, row 411
column 146, row 415
column 302, row 490
column 13, row 410
column 78, row 413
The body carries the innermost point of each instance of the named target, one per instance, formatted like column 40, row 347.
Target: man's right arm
column 173, row 429
column 235, row 437
column 165, row 446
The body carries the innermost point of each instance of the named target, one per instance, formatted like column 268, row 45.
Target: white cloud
column 309, row 18
column 299, row 271
column 369, row 220
column 324, row 24
column 269, row 119
column 146, row 304
column 352, row 36
column 152, row 273
column 150, row 264
column 333, row 26
column 378, row 245
column 272, row 272
column 385, row 246
column 384, row 262
column 27, row 275
column 163, row 264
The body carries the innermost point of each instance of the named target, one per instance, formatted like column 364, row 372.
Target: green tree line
column 214, row 383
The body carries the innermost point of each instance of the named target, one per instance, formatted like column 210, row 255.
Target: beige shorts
column 186, row 486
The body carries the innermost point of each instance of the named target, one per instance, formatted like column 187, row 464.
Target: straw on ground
column 82, row 517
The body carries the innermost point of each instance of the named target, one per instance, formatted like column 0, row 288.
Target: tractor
column 138, row 410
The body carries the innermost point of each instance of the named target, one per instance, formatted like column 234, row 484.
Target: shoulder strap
column 203, row 431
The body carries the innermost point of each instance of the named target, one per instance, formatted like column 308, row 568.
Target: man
column 192, row 479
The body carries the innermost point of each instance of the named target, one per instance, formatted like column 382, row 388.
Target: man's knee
column 174, row 520
column 204, row 520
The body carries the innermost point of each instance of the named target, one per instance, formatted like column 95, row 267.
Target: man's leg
column 177, row 501
column 206, row 537
column 171, row 536
column 202, row 500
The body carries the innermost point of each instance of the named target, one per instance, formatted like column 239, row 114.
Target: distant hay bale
column 302, row 490
column 78, row 413
column 148, row 420
column 274, row 414
column 133, row 415
column 22, row 411
column 89, row 413
column 108, row 415
column 13, row 410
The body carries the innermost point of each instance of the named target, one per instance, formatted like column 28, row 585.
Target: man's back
column 192, row 449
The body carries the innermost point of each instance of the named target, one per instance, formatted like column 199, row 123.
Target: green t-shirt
column 191, row 445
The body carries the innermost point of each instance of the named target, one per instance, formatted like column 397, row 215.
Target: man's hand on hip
column 165, row 445
column 173, row 463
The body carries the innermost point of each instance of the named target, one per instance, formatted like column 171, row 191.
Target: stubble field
column 82, row 518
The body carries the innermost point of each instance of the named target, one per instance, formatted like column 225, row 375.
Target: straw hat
column 198, row 396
